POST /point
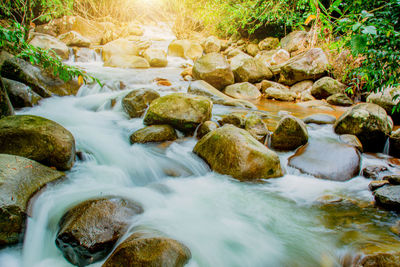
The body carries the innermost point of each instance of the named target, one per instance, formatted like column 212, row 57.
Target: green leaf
column 369, row 30
column 358, row 44
column 356, row 26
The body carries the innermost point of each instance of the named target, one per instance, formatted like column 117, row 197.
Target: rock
column 73, row 38
column 273, row 58
column 84, row 55
column 256, row 127
column 289, row 134
column 233, row 151
column 6, row 108
column 120, row 47
column 310, row 65
column 236, row 118
column 205, row 128
column 294, row 41
column 252, row 49
column 214, row 69
column 156, row 57
column 212, row 44
column 89, row 231
column 154, row 133
column 264, row 85
column 326, row 87
column 302, row 86
column 246, row 69
column 21, row 95
column 132, row 62
column 373, row 172
column 41, row 83
column 320, row 118
column 369, row 122
column 384, row 259
column 351, row 140
column 269, row 43
column 46, row 29
column 394, row 144
column 185, row 49
column 202, row 88
column 393, row 179
column 340, row 100
column 395, row 228
column 373, row 185
column 306, row 96
column 327, row 160
column 388, row 197
column 385, row 98
column 182, row 111
column 20, row 179
column 233, row 52
column 136, row 102
column 142, row 249
column 242, row 91
column 50, row 43
column 39, row 139
column 276, row 91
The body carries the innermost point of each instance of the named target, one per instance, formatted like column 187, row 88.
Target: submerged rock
column 20, row 94
column 289, row 134
column 388, row 197
column 142, row 249
column 233, row 151
column 136, row 102
column 20, row 179
column 242, row 91
column 154, row 133
column 89, row 231
column 39, row 139
column 320, row 119
column 205, row 128
column 326, row 87
column 182, row 111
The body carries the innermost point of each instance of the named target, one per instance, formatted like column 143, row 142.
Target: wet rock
column 242, row 91
column 377, row 184
column 294, row 41
column 185, row 49
column 20, row 179
column 50, row 43
column 327, row 160
column 6, row 108
column 84, row 54
column 252, row 49
column 302, row 86
column 211, row 45
column 136, row 102
column 310, row 65
column 394, row 144
column 369, row 123
column 73, row 38
column 393, row 179
column 120, row 47
column 214, row 69
column 352, row 140
column 340, row 100
column 143, row 249
column 154, row 133
column 384, row 98
column 156, row 57
column 236, row 118
column 246, row 69
column 276, row 91
column 182, row 111
column 289, row 134
column 269, row 43
column 320, row 118
column 256, row 127
column 326, row 87
column 89, row 231
column 233, row 151
column 389, row 259
column 306, row 96
column 39, row 139
column 388, row 197
column 373, row 172
column 205, row 128
column 131, row 62
column 20, row 95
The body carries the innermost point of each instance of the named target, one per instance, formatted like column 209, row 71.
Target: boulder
column 388, row 197
column 384, row 259
column 237, row 119
column 214, row 69
column 273, row 57
column 394, row 144
column 233, row 52
column 185, row 49
column 256, row 127
column 233, row 151
column 89, row 231
column 369, row 122
column 302, row 86
column 38, row 139
column 6, row 108
column 21, row 95
column 73, row 38
column 205, row 128
column 294, row 41
column 252, row 49
column 385, row 98
column 182, row 111
column 306, row 96
column 84, row 55
column 310, row 65
column 325, row 87
column 243, row 90
column 289, row 134
column 156, row 57
column 20, row 179
column 340, row 99
column 51, row 43
column 246, row 69
column 144, row 249
column 320, row 119
column 351, row 140
column 127, row 61
column 276, row 91
column 212, row 44
column 154, row 134
column 121, row 47
column 327, row 159
column 136, row 102
column 269, row 43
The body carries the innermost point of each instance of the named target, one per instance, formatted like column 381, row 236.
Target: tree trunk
column 6, row 109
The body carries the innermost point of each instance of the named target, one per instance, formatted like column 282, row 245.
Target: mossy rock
column 326, row 87
column 243, row 90
column 290, row 134
column 154, row 133
column 205, row 128
column 136, row 102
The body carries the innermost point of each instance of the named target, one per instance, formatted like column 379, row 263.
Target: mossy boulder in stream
column 20, row 179
column 143, row 249
column 182, row 111
column 154, row 133
column 38, row 139
column 326, row 87
column 247, row 69
column 289, row 134
column 369, row 122
column 205, row 128
column 233, row 151
column 136, row 102
column 243, row 90
column 89, row 231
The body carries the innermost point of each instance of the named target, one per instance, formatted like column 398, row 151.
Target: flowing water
column 224, row 222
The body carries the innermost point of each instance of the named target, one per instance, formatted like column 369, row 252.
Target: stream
column 222, row 221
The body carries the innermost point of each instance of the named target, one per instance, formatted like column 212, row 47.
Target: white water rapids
column 224, row 222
